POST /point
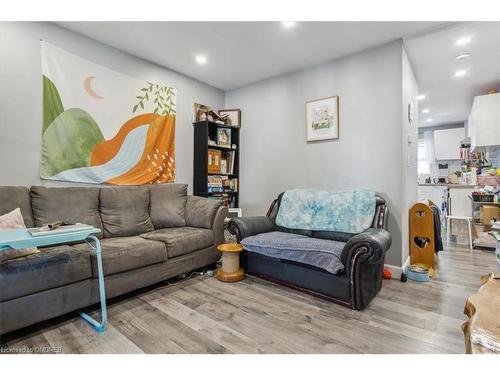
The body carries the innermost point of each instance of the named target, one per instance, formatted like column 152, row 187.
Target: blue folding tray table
column 21, row 239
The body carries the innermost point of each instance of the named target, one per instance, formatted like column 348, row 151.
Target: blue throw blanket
column 349, row 211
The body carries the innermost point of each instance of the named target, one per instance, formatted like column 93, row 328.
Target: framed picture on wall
column 322, row 119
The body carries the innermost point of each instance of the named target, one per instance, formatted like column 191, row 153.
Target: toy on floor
column 386, row 274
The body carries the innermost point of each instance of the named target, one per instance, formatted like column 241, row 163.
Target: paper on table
column 37, row 232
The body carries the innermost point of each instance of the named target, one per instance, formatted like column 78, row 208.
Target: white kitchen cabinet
column 484, row 121
column 447, row 143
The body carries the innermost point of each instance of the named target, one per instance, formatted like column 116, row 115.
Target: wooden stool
column 230, row 270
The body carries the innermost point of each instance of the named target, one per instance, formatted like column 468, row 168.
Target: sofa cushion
column 69, row 204
column 12, row 197
column 50, row 268
column 324, row 254
column 125, row 211
column 180, row 241
column 168, row 205
column 122, row 254
column 200, row 212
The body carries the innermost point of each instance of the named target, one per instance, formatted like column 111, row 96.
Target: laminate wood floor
column 203, row 315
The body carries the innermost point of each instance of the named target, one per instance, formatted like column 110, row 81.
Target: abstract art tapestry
column 101, row 126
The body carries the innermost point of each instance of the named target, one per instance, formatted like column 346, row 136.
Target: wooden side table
column 482, row 330
column 230, row 270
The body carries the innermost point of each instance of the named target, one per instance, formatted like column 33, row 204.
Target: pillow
column 10, row 221
column 71, row 205
column 168, row 205
column 200, row 212
column 125, row 211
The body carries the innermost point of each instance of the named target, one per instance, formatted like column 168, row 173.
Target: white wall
column 409, row 148
column 275, row 155
column 21, row 96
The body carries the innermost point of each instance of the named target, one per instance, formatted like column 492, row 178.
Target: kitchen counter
column 450, row 185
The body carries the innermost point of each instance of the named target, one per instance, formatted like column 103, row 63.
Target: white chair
column 449, row 218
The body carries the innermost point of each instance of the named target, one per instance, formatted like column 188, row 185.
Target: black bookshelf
column 203, row 131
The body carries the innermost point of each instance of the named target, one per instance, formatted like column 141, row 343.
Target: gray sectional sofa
column 149, row 234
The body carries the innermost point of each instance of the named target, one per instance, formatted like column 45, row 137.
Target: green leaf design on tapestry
column 68, row 142
column 163, row 99
column 52, row 104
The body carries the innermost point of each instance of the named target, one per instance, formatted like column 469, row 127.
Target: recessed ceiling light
column 426, row 110
column 463, row 57
column 201, row 59
column 463, row 41
column 288, row 24
column 429, row 120
column 460, row 73
column 421, row 97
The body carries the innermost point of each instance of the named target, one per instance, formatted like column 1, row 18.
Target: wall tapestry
column 101, row 126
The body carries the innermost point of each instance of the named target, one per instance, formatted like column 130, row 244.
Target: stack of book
column 222, row 184
column 215, row 184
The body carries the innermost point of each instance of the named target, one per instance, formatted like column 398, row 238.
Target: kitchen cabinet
column 484, row 121
column 447, row 143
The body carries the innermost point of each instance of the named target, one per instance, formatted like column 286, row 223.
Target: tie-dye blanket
column 349, row 211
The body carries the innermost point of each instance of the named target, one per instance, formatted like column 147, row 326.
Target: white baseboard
column 397, row 271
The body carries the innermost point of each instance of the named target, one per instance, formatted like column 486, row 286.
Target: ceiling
column 449, row 98
column 239, row 53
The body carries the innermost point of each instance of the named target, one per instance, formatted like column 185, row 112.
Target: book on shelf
column 223, row 166
column 226, row 199
column 217, row 118
column 221, row 184
column 215, row 184
column 227, row 162
column 230, row 184
column 214, row 161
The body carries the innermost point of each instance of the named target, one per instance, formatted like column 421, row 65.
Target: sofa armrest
column 363, row 259
column 243, row 227
column 375, row 241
